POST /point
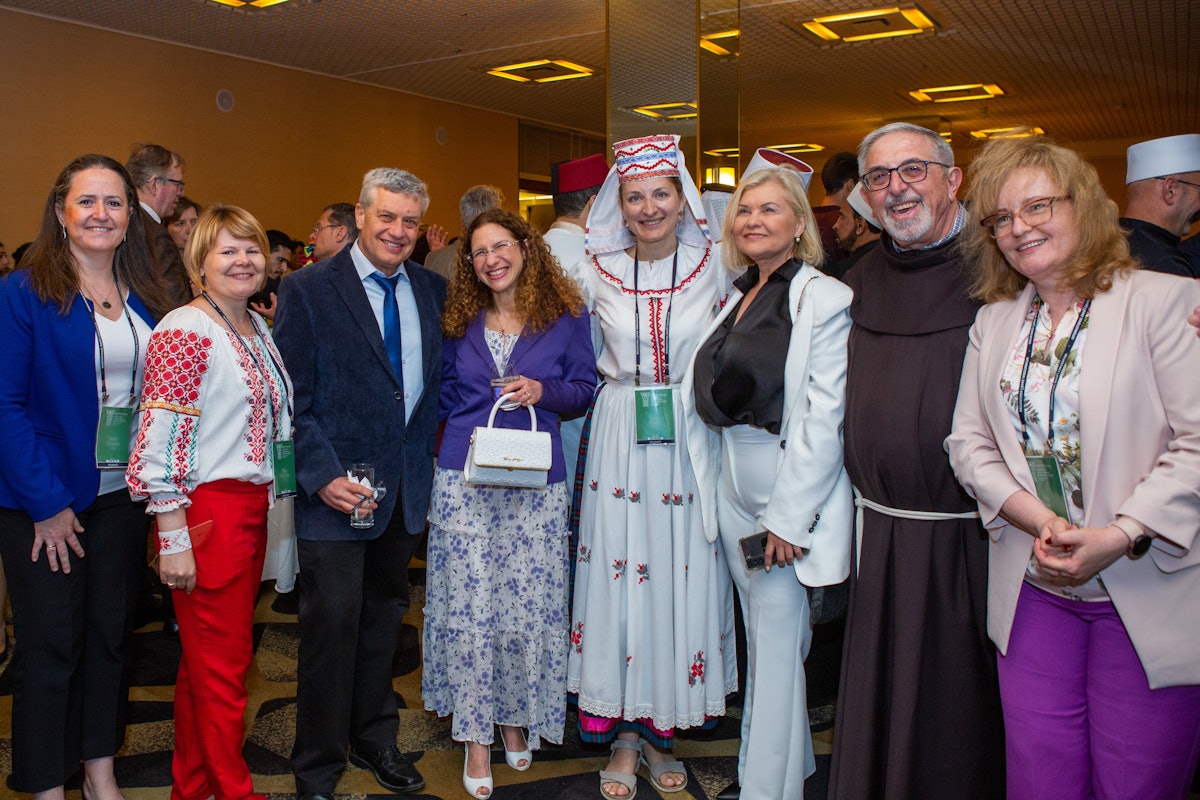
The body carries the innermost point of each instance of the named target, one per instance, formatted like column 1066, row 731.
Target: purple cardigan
column 560, row 357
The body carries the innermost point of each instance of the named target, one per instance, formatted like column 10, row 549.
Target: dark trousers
column 71, row 664
column 353, row 595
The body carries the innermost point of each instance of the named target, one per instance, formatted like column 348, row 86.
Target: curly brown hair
column 544, row 290
column 1102, row 251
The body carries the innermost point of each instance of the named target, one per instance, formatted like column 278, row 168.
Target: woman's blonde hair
column 808, row 249
column 240, row 223
column 1102, row 251
column 544, row 290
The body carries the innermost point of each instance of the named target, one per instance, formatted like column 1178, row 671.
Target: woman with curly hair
column 496, row 597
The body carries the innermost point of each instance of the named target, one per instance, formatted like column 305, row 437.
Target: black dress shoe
column 315, row 796
column 392, row 769
column 731, row 792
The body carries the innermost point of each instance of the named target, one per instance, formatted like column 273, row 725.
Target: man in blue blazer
column 360, row 335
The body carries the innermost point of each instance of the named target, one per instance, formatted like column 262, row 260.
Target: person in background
column 652, row 629
column 215, row 409
column 474, row 201
column 278, row 260
column 75, row 322
column 764, row 398
column 335, row 230
column 19, row 253
column 1078, row 432
column 6, row 262
column 857, row 230
column 158, row 175
column 838, row 177
column 1163, row 184
column 497, row 563
column 182, row 221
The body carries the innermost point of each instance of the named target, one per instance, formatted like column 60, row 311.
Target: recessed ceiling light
column 723, row 43
column 956, row 94
column 1013, row 132
column 255, row 3
column 723, row 152
column 878, row 23
column 543, row 70
column 798, row 147
column 666, row 111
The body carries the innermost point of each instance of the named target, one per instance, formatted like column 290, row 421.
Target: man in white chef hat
column 1163, row 182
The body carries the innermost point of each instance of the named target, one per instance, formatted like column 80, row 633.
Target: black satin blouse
column 739, row 370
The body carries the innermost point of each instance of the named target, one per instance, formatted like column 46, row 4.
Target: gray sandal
column 657, row 770
column 629, row 781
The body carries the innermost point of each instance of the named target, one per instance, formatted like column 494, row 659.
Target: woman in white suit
column 764, row 398
column 1082, row 372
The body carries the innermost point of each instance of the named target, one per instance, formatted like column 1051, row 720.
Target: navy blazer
column 49, row 404
column 560, row 357
column 348, row 403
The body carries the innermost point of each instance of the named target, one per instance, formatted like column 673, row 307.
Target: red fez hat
column 582, row 173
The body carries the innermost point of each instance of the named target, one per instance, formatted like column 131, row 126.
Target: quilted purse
column 506, row 456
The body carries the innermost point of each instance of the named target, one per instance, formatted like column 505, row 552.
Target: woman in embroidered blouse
column 766, row 396
column 75, row 320
column 496, row 605
column 652, row 629
column 215, row 409
column 1077, row 430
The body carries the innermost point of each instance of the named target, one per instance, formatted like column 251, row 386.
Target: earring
column 64, row 230
column 796, row 239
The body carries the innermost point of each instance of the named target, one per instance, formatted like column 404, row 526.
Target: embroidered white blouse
column 210, row 409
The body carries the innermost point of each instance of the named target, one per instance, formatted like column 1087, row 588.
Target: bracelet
column 172, row 542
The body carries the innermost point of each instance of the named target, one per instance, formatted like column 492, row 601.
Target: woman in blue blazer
column 74, row 321
column 496, row 599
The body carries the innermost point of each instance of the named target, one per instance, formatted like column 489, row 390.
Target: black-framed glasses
column 1036, row 212
column 178, row 183
column 909, row 172
column 498, row 249
column 1178, row 180
column 319, row 227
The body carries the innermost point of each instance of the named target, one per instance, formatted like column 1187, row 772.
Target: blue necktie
column 391, row 322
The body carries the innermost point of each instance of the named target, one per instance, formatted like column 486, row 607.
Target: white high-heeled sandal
column 473, row 785
column 511, row 757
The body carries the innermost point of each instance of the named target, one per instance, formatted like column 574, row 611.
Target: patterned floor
column 558, row 773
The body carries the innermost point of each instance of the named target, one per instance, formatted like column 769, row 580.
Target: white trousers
column 776, row 752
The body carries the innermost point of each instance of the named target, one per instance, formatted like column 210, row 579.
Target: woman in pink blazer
column 1078, row 432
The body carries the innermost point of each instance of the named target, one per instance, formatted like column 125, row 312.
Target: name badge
column 654, row 408
column 113, row 437
column 283, row 453
column 1047, row 479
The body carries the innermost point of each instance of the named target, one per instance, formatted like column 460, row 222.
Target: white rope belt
column 861, row 502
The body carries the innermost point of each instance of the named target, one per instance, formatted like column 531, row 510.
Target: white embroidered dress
column 208, row 411
column 652, row 628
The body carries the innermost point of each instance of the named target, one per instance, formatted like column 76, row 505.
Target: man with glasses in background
column 918, row 704
column 1163, row 183
column 157, row 174
column 334, row 231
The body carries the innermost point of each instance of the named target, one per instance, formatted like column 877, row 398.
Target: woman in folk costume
column 652, row 645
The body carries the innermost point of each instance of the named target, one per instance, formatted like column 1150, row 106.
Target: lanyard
column 637, row 323
column 137, row 345
column 282, row 385
column 1035, row 308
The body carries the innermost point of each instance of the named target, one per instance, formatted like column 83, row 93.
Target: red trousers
column 215, row 629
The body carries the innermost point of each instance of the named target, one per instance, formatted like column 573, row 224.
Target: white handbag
column 506, row 456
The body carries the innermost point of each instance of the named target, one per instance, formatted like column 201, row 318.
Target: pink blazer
column 1140, row 441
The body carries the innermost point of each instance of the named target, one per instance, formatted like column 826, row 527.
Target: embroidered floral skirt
column 496, row 609
column 652, row 627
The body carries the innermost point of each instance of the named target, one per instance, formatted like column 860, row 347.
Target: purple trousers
column 1080, row 719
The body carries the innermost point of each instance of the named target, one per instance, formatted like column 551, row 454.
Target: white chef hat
column 1169, row 155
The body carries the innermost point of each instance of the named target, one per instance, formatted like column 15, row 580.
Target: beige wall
column 293, row 143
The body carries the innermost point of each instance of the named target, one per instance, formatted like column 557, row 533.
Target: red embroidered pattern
column 687, row 279
column 658, row 341
column 256, row 417
column 176, row 361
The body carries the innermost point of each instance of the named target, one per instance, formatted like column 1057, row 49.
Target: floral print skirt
column 496, row 609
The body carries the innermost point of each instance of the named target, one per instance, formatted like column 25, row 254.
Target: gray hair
column 394, row 180
column 941, row 148
column 477, row 200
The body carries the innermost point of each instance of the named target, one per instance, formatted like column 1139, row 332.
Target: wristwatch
column 1139, row 540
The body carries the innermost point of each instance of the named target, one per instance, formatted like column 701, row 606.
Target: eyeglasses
column 909, row 172
column 1035, row 212
column 178, row 184
column 1179, row 180
column 498, row 249
column 319, row 227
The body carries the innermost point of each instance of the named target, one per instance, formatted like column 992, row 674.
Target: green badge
column 113, row 437
column 1047, row 479
column 655, row 415
column 284, row 454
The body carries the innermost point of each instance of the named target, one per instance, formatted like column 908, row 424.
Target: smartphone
column 753, row 547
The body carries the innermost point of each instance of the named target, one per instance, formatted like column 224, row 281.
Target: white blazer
column 811, row 477
column 1139, row 402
